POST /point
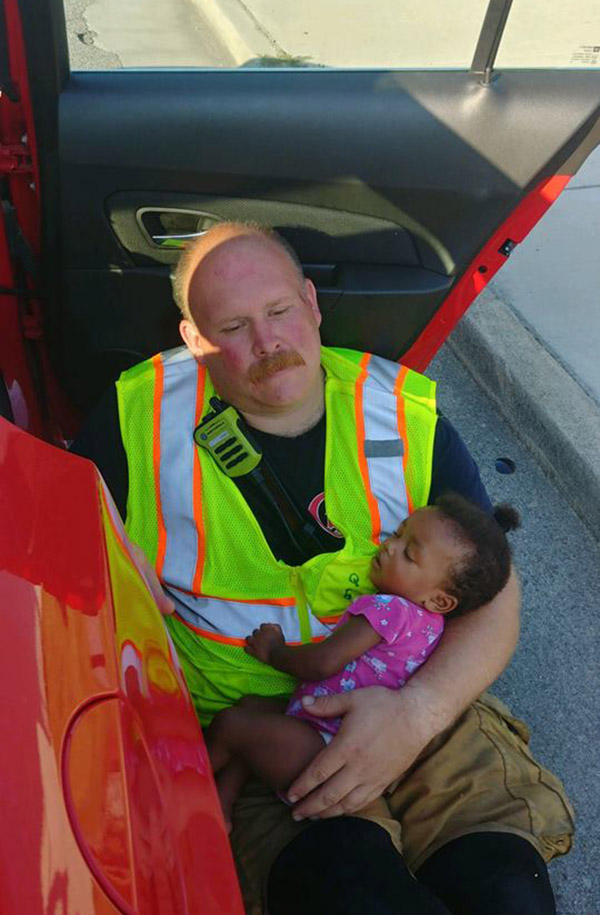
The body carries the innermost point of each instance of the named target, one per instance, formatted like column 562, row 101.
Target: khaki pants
column 479, row 776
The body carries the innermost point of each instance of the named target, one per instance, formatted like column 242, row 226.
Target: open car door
column 108, row 801
column 403, row 191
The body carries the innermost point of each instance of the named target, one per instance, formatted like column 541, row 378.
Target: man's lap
column 480, row 776
column 477, row 777
column 263, row 827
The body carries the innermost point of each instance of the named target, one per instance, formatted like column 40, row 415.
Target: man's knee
column 352, row 867
column 490, row 873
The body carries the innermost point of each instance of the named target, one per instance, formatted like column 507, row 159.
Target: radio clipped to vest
column 225, row 435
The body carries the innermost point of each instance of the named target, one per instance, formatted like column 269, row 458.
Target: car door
column 108, row 800
column 403, row 190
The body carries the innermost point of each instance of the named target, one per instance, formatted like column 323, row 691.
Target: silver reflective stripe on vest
column 237, row 619
column 383, row 374
column 177, row 455
column 384, row 448
column 175, row 355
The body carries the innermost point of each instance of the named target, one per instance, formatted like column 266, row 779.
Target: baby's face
column 414, row 563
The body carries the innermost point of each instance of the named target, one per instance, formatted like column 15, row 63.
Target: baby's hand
column 264, row 640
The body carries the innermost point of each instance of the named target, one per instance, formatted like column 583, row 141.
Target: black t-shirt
column 298, row 463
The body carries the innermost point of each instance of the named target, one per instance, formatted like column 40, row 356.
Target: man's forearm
column 473, row 652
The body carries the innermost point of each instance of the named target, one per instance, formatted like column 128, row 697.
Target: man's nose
column 265, row 339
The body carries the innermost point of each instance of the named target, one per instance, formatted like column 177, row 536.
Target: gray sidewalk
column 552, row 680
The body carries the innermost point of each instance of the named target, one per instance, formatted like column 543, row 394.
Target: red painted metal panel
column 95, row 793
column 54, row 653
column 108, row 799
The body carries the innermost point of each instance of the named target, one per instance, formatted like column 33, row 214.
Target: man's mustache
column 274, row 363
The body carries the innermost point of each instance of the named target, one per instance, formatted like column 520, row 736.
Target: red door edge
column 37, row 403
column 480, row 271
column 20, row 168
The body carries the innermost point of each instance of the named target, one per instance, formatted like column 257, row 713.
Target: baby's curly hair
column 483, row 572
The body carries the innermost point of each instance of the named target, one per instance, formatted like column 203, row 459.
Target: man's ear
column 439, row 601
column 192, row 339
column 311, row 297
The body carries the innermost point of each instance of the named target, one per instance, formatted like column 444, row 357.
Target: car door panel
column 363, row 171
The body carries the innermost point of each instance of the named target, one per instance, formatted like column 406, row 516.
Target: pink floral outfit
column 409, row 634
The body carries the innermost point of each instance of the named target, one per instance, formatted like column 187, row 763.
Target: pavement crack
column 281, row 52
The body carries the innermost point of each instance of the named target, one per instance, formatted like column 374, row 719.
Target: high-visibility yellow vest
column 208, row 549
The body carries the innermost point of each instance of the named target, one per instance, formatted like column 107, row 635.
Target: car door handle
column 173, row 227
column 175, row 241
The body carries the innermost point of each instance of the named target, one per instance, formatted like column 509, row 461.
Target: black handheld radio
column 223, row 434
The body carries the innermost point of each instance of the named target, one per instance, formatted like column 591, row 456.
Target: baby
column 444, row 560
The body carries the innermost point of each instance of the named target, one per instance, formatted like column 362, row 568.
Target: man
column 356, row 443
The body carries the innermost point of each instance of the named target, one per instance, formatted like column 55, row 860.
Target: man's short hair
column 180, row 277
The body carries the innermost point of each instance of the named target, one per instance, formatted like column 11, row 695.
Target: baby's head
column 451, row 557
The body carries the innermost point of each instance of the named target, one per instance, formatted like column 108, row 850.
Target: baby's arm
column 316, row 661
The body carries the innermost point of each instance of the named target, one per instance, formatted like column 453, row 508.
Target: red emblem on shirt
column 317, row 511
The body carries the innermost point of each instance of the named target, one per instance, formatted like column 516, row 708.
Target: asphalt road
column 552, row 681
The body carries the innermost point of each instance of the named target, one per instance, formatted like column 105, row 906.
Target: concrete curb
column 545, row 406
column 239, row 30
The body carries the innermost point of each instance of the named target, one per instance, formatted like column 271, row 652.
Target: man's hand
column 264, row 641
column 382, row 733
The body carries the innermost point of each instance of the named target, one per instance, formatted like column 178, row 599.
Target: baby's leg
column 232, row 776
column 230, row 781
column 275, row 747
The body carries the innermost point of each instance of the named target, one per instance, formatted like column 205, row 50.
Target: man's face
column 257, row 326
